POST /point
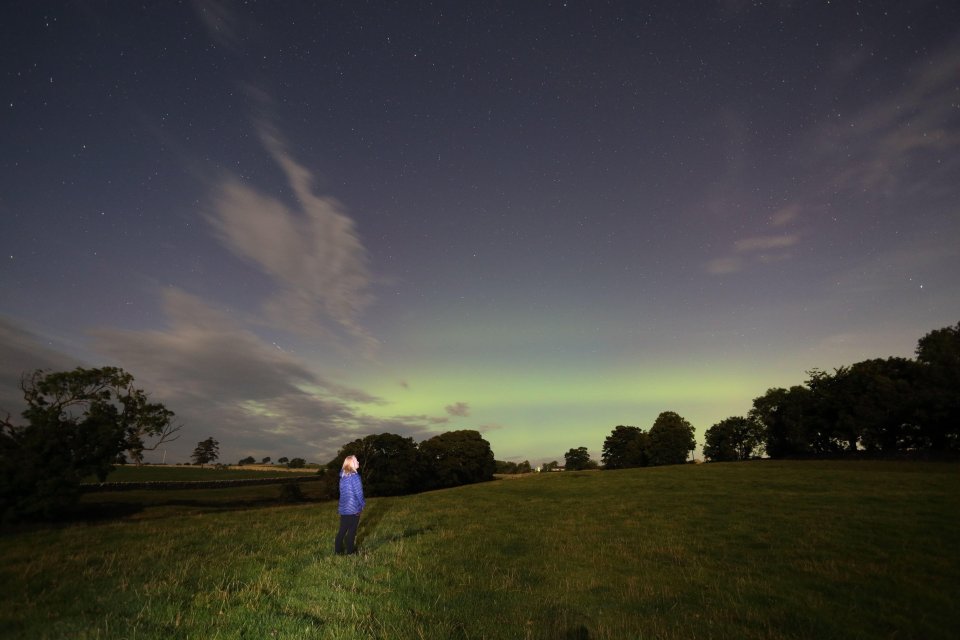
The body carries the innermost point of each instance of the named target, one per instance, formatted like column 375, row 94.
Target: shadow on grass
column 411, row 532
column 218, row 506
column 99, row 511
column 563, row 622
column 370, row 520
column 367, row 537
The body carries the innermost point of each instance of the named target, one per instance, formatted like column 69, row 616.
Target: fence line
column 164, row 485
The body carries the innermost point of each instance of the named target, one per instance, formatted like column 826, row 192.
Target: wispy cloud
column 310, row 247
column 904, row 143
column 785, row 216
column 206, row 353
column 882, row 139
column 208, row 364
column 222, row 380
column 764, row 243
column 725, row 265
column 761, row 249
column 222, row 22
column 460, row 409
column 313, row 252
column 21, row 352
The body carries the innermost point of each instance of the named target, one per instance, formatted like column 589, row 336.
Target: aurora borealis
column 300, row 224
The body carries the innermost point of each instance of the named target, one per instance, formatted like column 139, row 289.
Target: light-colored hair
column 350, row 464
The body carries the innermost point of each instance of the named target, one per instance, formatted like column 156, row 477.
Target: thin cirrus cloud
column 224, row 381
column 203, row 352
column 313, row 253
column 460, row 409
column 725, row 265
column 753, row 250
column 785, row 216
column 765, row 243
column 220, row 380
column 870, row 150
column 222, row 23
column 881, row 139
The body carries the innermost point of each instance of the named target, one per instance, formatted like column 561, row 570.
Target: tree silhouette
column 79, row 423
column 206, row 452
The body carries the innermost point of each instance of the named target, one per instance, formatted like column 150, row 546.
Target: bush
column 291, row 492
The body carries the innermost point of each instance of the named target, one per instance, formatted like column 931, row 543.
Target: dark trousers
column 346, row 534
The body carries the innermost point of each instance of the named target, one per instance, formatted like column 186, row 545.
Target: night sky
column 300, row 223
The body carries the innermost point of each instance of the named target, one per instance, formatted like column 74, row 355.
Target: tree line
column 394, row 465
column 891, row 406
column 80, row 423
column 884, row 407
column 290, row 463
column 668, row 441
column 208, row 451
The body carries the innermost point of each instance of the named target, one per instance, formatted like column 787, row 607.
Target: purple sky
column 298, row 224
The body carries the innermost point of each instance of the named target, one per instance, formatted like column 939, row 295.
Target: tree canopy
column 508, row 467
column 783, row 415
column 78, row 424
column 625, row 447
column 735, row 438
column 392, row 465
column 455, row 458
column 671, row 439
column 207, row 451
column 939, row 389
column 577, row 459
column 890, row 405
column 389, row 463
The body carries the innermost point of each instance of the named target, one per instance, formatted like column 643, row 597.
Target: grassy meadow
column 174, row 473
column 747, row 550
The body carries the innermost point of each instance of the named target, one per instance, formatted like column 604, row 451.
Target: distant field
column 747, row 550
column 152, row 473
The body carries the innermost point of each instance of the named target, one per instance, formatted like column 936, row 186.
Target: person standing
column 350, row 505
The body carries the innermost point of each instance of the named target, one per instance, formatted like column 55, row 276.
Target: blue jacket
column 351, row 494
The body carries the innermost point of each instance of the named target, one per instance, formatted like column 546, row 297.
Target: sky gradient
column 300, row 225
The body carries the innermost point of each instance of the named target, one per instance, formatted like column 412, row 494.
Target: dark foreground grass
column 753, row 550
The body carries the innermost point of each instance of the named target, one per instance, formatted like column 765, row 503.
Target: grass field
column 750, row 550
column 174, row 473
